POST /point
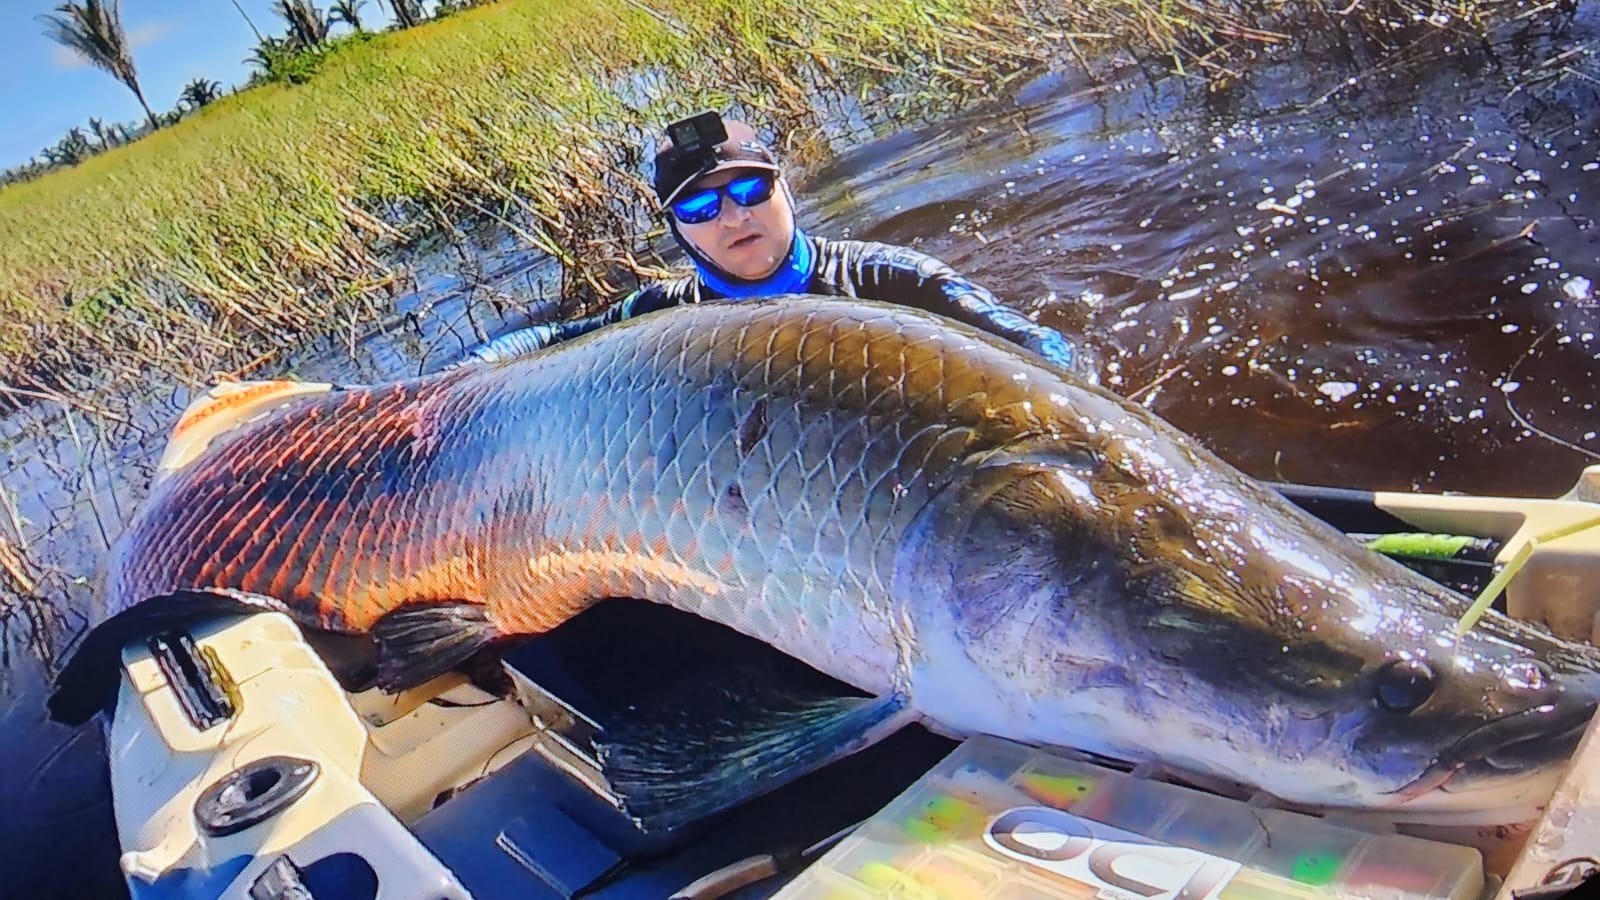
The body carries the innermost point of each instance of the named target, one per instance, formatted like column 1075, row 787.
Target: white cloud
column 142, row 36
column 146, row 35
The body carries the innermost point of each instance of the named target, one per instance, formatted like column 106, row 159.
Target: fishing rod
column 1463, row 562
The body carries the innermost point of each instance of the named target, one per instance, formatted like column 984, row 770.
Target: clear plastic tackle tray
column 1000, row 821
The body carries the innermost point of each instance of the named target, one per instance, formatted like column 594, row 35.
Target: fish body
column 904, row 503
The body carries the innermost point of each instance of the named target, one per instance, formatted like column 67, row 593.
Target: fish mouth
column 1506, row 747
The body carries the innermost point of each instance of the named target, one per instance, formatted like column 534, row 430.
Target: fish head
column 1217, row 629
column 1464, row 724
column 1335, row 677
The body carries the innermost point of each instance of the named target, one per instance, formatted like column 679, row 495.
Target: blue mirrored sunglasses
column 705, row 204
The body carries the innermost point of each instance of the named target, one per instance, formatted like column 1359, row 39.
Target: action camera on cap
column 694, row 137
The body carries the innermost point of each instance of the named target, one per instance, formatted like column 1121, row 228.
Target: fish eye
column 1404, row 685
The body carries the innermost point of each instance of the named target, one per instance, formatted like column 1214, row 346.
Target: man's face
column 746, row 242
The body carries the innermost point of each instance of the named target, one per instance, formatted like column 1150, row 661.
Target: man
column 732, row 212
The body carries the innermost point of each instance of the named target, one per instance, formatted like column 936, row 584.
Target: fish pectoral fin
column 667, row 777
column 88, row 682
column 422, row 641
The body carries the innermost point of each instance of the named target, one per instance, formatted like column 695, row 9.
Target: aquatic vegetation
column 265, row 217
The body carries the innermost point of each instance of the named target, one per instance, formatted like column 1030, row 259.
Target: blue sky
column 44, row 90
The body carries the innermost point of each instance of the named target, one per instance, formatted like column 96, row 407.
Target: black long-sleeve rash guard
column 861, row 269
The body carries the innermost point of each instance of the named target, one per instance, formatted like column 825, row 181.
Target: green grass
column 250, row 224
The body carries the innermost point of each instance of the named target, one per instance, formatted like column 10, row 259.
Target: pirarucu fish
column 938, row 518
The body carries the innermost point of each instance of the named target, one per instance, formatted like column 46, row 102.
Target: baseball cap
column 678, row 165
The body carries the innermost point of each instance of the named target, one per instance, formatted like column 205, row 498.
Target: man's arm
column 902, row 275
column 534, row 338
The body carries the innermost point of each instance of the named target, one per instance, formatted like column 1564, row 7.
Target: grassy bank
column 263, row 218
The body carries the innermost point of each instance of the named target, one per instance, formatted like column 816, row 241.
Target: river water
column 1372, row 271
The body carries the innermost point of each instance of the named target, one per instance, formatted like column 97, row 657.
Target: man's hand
column 1061, row 351
column 1055, row 348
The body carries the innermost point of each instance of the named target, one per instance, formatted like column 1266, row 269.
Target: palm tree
column 33, row 168
column 72, row 149
column 93, row 30
column 407, row 12
column 101, row 133
column 307, row 25
column 199, row 92
column 348, row 12
column 247, row 20
column 267, row 54
column 78, row 142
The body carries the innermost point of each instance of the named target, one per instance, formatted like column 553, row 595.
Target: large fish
column 934, row 516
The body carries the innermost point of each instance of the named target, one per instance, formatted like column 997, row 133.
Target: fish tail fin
column 420, row 642
column 667, row 779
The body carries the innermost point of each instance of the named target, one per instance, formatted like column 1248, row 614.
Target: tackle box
column 1001, row 821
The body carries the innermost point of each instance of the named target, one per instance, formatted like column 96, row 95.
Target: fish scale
column 900, row 501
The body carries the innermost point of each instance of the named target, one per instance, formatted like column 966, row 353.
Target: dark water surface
column 1384, row 275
